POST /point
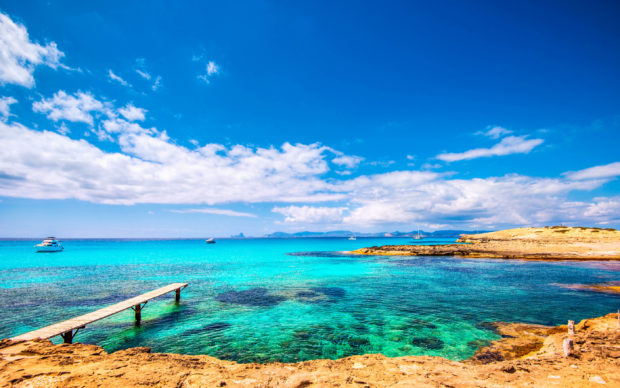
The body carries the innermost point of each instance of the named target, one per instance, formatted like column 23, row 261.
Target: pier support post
column 67, row 337
column 568, row 347
column 177, row 295
column 138, row 312
column 571, row 327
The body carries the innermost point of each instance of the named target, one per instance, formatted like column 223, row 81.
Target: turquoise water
column 260, row 300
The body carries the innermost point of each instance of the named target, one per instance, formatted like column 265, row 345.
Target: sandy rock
column 530, row 358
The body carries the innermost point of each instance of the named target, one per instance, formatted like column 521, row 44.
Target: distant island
column 347, row 233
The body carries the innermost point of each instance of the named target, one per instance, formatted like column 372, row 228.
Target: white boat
column 50, row 244
column 210, row 240
column 352, row 238
column 418, row 237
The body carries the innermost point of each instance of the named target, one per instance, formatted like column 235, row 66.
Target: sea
column 289, row 300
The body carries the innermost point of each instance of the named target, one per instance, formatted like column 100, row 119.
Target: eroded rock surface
column 530, row 355
column 549, row 243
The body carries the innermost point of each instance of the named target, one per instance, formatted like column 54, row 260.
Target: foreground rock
column 549, row 243
column 531, row 355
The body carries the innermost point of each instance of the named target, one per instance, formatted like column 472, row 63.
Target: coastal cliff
column 529, row 355
column 548, row 243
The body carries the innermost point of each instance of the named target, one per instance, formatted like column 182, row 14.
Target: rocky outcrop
column 529, row 355
column 549, row 243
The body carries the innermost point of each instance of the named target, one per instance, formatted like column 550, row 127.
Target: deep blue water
column 289, row 299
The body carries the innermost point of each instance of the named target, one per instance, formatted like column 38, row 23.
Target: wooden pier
column 68, row 329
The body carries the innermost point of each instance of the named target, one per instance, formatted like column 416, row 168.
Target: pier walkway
column 68, row 329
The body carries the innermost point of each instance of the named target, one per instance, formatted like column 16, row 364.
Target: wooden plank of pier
column 67, row 329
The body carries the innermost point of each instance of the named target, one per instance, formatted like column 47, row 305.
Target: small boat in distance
column 50, row 244
column 352, row 238
column 418, row 237
column 210, row 240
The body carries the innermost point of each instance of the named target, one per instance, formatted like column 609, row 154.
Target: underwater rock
column 216, row 326
column 307, row 294
column 429, row 343
column 421, row 323
column 301, row 334
column 252, row 297
column 332, row 292
column 360, row 328
column 358, row 341
column 479, row 343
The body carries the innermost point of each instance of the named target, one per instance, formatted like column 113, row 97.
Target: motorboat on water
column 352, row 238
column 50, row 244
column 210, row 240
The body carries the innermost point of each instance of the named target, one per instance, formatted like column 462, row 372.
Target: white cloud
column 152, row 169
column 410, row 157
column 63, row 129
column 212, row 69
column 117, row 78
column 507, row 146
column 143, row 74
column 347, row 161
column 606, row 171
column 5, row 107
column 132, row 113
column 75, row 108
column 19, row 56
column 310, row 214
column 495, row 132
column 211, row 210
column 605, row 209
column 157, row 84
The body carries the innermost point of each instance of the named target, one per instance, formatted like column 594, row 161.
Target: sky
column 204, row 118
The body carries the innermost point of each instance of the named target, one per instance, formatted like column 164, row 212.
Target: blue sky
column 213, row 118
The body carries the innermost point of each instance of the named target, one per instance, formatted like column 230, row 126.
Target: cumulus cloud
column 507, row 146
column 604, row 209
column 19, row 56
column 76, row 108
column 495, row 132
column 152, row 169
column 211, row 210
column 5, row 107
column 149, row 167
column 118, row 79
column 211, row 70
column 607, row 171
column 347, row 161
column 132, row 113
column 310, row 214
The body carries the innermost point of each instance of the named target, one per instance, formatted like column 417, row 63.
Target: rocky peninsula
column 547, row 243
column 528, row 355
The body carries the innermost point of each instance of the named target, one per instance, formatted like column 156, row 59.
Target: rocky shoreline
column 549, row 243
column 528, row 355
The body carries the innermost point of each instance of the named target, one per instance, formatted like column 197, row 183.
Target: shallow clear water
column 254, row 300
